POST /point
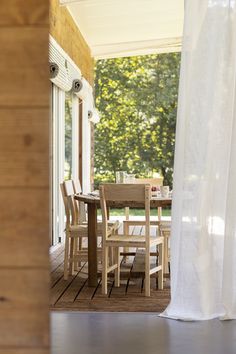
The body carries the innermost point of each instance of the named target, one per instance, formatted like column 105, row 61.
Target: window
column 68, row 136
column 65, row 154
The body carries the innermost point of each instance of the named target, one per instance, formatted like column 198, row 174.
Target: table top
column 155, row 202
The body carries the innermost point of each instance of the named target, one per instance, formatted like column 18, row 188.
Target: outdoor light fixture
column 93, row 116
column 77, row 85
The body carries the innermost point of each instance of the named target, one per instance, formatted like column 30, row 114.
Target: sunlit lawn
column 137, row 212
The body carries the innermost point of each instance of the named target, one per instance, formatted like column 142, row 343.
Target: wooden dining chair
column 164, row 226
column 80, row 206
column 136, row 194
column 76, row 230
column 153, row 182
column 73, row 230
column 81, row 210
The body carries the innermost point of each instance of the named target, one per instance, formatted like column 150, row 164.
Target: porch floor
column 75, row 294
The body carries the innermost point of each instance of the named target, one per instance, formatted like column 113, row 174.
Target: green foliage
column 136, row 212
column 137, row 100
column 68, row 136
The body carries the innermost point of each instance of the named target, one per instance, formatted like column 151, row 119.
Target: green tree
column 137, row 99
column 68, row 136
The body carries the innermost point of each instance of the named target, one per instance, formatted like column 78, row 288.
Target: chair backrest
column 63, row 193
column 70, row 205
column 128, row 193
column 79, row 206
column 158, row 181
column 77, row 186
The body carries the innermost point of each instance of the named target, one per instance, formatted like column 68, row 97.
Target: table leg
column 108, row 213
column 92, row 245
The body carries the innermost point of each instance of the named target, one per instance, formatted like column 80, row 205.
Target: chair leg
column 117, row 270
column 80, row 248
column 157, row 262
column 66, row 257
column 161, row 262
column 147, row 272
column 159, row 213
column 72, row 250
column 111, row 258
column 104, row 269
column 165, row 252
column 126, row 232
column 75, row 253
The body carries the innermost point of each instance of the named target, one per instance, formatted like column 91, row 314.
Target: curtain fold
column 203, row 235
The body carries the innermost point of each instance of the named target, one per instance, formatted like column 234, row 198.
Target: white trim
column 86, row 148
column 155, row 46
column 58, row 117
column 63, row 70
column 75, row 137
column 90, row 2
column 63, row 53
column 68, row 2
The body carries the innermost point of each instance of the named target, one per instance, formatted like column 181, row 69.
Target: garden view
column 137, row 101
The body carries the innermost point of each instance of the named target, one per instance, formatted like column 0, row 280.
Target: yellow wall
column 65, row 32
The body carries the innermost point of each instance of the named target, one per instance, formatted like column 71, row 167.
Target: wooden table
column 93, row 203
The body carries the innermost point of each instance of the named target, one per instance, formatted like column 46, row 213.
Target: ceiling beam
column 114, row 50
column 69, row 2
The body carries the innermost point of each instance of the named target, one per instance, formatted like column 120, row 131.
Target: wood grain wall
column 66, row 33
column 64, row 30
column 24, row 177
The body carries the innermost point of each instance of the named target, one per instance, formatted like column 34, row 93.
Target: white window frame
column 58, row 158
column 58, row 161
column 86, row 148
column 75, row 137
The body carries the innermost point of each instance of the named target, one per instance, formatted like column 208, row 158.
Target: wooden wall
column 65, row 32
column 24, row 177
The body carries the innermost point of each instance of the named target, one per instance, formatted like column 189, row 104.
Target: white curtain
column 203, row 235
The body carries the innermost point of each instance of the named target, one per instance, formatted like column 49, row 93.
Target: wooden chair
column 81, row 210
column 164, row 226
column 135, row 193
column 157, row 182
column 165, row 230
column 80, row 206
column 76, row 230
column 73, row 230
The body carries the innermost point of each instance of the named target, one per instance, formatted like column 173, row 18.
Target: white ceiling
column 116, row 28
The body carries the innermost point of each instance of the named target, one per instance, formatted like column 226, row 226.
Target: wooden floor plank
column 57, row 275
column 74, row 288
column 136, row 274
column 59, row 289
column 75, row 295
column 55, row 263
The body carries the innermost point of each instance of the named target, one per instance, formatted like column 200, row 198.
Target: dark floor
column 75, row 294
column 138, row 333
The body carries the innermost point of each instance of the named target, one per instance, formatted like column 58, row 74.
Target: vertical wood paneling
column 24, row 177
column 21, row 13
column 66, row 33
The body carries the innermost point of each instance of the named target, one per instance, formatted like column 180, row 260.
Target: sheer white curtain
column 203, row 240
